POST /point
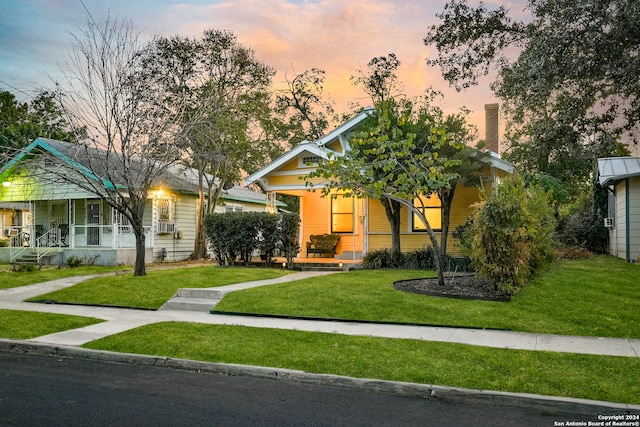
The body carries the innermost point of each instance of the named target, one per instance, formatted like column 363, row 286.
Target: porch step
column 30, row 258
column 194, row 299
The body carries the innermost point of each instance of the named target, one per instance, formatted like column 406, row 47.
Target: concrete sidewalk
column 119, row 320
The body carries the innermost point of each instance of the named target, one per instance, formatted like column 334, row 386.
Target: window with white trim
column 431, row 207
column 164, row 212
column 342, row 214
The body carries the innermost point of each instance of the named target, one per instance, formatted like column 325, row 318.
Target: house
column 361, row 223
column 53, row 221
column 621, row 176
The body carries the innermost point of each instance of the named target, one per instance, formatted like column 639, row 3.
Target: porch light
column 284, row 265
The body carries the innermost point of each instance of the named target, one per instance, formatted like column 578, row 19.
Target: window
column 165, row 210
column 342, row 214
column 431, row 207
column 233, row 208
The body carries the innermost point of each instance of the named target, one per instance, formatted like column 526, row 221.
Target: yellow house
column 361, row 223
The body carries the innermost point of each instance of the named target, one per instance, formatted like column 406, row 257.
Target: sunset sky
column 337, row 36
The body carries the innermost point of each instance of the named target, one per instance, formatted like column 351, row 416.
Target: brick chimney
column 492, row 127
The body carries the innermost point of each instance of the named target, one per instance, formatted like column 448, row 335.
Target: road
column 44, row 390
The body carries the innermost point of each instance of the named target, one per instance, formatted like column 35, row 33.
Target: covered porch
column 53, row 230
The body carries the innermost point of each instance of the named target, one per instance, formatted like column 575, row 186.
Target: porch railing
column 43, row 245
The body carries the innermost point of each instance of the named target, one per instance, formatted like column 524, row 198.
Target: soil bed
column 463, row 286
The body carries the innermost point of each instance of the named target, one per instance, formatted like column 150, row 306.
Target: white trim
column 286, row 158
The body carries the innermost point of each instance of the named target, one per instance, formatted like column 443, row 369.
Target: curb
column 549, row 404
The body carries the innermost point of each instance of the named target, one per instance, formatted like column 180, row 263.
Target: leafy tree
column 21, row 123
column 566, row 73
column 227, row 91
column 396, row 156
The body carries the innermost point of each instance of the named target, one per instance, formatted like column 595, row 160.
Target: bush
column 418, row 259
column 73, row 261
column 237, row 235
column 512, row 234
column 382, row 258
column 585, row 227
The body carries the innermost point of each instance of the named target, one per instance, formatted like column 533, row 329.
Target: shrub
column 512, row 234
column 238, row 234
column 24, row 268
column 418, row 259
column 382, row 258
column 574, row 253
column 73, row 261
column 584, row 227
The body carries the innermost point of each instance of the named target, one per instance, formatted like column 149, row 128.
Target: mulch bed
column 462, row 286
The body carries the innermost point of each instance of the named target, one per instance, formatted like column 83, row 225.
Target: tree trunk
column 140, row 267
column 392, row 211
column 198, row 244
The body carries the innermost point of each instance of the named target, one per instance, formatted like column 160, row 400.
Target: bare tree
column 131, row 131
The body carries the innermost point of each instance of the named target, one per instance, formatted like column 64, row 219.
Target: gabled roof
column 316, row 148
column 613, row 169
column 176, row 177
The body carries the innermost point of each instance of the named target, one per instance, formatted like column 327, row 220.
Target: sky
column 337, row 36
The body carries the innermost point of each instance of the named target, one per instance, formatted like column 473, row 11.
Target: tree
column 21, row 123
column 381, row 84
column 566, row 73
column 131, row 131
column 396, row 156
column 305, row 115
column 227, row 91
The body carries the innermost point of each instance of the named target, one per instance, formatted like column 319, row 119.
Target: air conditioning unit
column 608, row 222
column 165, row 228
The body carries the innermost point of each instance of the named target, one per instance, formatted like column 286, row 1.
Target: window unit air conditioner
column 608, row 222
column 166, row 228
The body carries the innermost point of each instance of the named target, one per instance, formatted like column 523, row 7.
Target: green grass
column 156, row 288
column 557, row 374
column 13, row 279
column 22, row 325
column 592, row 297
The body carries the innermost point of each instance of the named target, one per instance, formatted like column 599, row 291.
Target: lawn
column 13, row 279
column 156, row 288
column 23, row 325
column 557, row 374
column 591, row 297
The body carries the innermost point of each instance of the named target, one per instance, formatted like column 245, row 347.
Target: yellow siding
column 292, row 165
column 292, row 180
column 335, row 146
column 380, row 232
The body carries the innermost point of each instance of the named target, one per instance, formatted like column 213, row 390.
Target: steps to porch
column 194, row 299
column 33, row 256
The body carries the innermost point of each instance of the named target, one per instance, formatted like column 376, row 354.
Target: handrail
column 16, row 250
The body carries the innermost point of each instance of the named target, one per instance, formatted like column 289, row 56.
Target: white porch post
column 271, row 202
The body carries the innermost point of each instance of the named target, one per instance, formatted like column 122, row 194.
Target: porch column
column 271, row 202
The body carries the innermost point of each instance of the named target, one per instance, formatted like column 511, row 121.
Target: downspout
column 627, row 220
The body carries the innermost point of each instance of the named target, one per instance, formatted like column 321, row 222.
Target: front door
column 93, row 224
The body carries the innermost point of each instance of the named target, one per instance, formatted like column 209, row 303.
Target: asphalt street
column 54, row 391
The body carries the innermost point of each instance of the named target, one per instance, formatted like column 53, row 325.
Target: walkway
column 119, row 320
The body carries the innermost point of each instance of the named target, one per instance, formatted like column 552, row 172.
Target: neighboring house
column 361, row 223
column 621, row 176
column 56, row 221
